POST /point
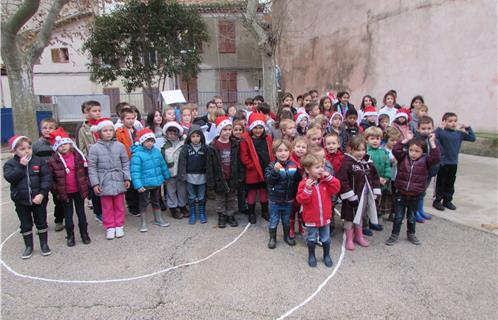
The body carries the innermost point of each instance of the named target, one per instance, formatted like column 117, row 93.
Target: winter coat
column 411, row 178
column 27, row 181
column 85, row 138
column 183, row 158
column 282, row 185
column 364, row 124
column 216, row 178
column 355, row 176
column 123, row 135
column 391, row 112
column 348, row 133
column 433, row 170
column 42, row 149
column 404, row 129
column 294, row 158
column 148, row 169
column 250, row 158
column 335, row 159
column 339, row 107
column 317, row 201
column 108, row 167
column 171, row 154
column 59, row 176
column 381, row 161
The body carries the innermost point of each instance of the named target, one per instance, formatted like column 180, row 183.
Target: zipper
column 317, row 189
column 29, row 183
column 410, row 177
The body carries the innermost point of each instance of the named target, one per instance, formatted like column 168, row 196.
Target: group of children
column 298, row 164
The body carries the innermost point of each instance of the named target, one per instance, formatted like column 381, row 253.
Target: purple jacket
column 412, row 175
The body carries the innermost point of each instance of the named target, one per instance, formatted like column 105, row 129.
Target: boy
column 127, row 135
column 383, row 122
column 391, row 137
column 450, row 138
column 314, row 194
column 226, row 171
column 350, row 128
column 420, row 111
column 369, row 118
column 85, row 138
column 312, row 109
column 30, row 181
column 288, row 129
column 43, row 150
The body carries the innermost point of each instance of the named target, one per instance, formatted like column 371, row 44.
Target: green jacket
column 381, row 161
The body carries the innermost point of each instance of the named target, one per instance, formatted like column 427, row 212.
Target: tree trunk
column 269, row 80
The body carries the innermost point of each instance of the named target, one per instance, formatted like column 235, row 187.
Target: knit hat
column 146, row 134
column 14, row 140
column 256, row 119
column 370, row 111
column 173, row 124
column 403, row 113
column 300, row 116
column 337, row 114
column 101, row 123
column 222, row 122
column 58, row 138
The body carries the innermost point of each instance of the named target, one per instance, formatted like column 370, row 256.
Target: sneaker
column 367, row 232
column 449, row 205
column 119, row 232
column 437, row 205
column 392, row 240
column 59, row 227
column 413, row 239
column 134, row 213
column 110, row 233
column 98, row 219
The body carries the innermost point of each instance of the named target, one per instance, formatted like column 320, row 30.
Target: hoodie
column 192, row 163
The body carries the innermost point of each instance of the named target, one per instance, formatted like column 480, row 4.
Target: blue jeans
column 280, row 211
column 196, row 192
column 323, row 232
column 405, row 204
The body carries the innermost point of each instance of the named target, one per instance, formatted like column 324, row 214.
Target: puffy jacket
column 42, row 149
column 250, row 159
column 215, row 177
column 59, row 175
column 183, row 159
column 148, row 169
column 171, row 152
column 335, row 159
column 411, row 178
column 123, row 135
column 27, row 181
column 108, row 167
column 282, row 185
column 317, row 202
column 381, row 161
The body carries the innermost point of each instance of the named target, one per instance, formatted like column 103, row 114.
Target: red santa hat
column 370, row 111
column 222, row 122
column 14, row 140
column 58, row 138
column 300, row 116
column 403, row 113
column 173, row 124
column 99, row 124
column 256, row 119
column 145, row 135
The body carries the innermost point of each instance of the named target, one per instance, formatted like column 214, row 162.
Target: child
column 369, row 118
column 302, row 122
column 287, row 101
column 360, row 186
column 383, row 122
column 255, row 155
column 30, row 181
column 109, row 174
column 288, row 129
column 366, row 102
column 306, row 99
column 148, row 173
column 420, row 111
column 299, row 150
column 411, row 182
column 400, row 122
column 186, row 117
column 320, row 122
column 314, row 194
column 70, row 174
column 312, row 109
column 299, row 102
column 350, row 128
column 314, row 137
column 282, row 177
column 386, row 206
column 332, row 151
column 238, row 130
column 343, row 106
column 275, row 129
column 389, row 108
column 326, row 107
column 450, row 136
column 231, row 111
column 176, row 190
column 195, row 111
column 43, row 150
column 382, row 164
column 226, row 172
column 192, row 168
column 335, row 123
column 127, row 134
column 155, row 124
column 169, row 114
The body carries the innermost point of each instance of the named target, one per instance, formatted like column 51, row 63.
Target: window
column 228, row 86
column 60, row 55
column 226, row 37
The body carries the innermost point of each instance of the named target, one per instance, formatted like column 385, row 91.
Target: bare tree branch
column 15, row 22
column 250, row 21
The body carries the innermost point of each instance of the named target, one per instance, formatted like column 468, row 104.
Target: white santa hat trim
column 147, row 136
column 256, row 123
column 370, row 113
column 59, row 141
column 103, row 124
column 16, row 140
column 224, row 123
column 401, row 114
column 173, row 124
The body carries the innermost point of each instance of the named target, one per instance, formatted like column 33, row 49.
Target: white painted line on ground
column 11, row 270
column 322, row 285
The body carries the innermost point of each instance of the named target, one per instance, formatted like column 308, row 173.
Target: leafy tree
column 143, row 42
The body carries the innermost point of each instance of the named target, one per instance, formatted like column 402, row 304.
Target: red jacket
column 294, row 158
column 335, row 159
column 249, row 157
column 317, row 202
column 59, row 176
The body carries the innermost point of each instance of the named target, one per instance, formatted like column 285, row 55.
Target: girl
column 231, row 111
column 343, row 105
column 287, row 101
column 335, row 123
column 332, row 151
column 169, row 114
column 302, row 122
column 282, row 178
column 366, row 101
column 299, row 150
column 155, row 123
column 326, row 107
column 383, row 122
column 391, row 137
column 401, row 122
column 314, row 136
column 255, row 154
column 411, row 182
column 70, row 174
column 360, row 186
column 416, row 101
column 389, row 106
column 186, row 118
column 109, row 174
column 238, row 130
column 306, row 99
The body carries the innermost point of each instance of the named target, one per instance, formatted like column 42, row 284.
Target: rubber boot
column 326, row 254
column 184, row 212
column 252, row 214
column 287, row 239
column 45, row 250
column 419, row 218
column 421, row 211
column 163, row 205
column 192, row 217
column 85, row 238
column 28, row 243
column 143, row 222
column 202, row 212
column 70, row 237
column 175, row 213
column 264, row 211
column 311, row 254
column 158, row 218
column 358, row 236
column 349, row 239
column 272, row 243
column 222, row 220
column 292, row 230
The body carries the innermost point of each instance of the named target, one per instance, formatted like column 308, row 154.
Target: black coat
column 282, row 185
column 27, row 181
column 217, row 179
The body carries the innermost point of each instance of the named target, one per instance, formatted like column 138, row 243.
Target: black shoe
column 162, row 204
column 264, row 211
column 449, row 205
column 134, row 212
column 392, row 240
column 45, row 250
column 326, row 254
column 376, row 227
column 252, row 214
column 28, row 242
column 272, row 243
column 311, row 254
column 413, row 239
column 232, row 222
column 177, row 214
column 70, row 238
column 367, row 232
column 85, row 238
column 222, row 220
column 437, row 205
column 184, row 211
column 287, row 239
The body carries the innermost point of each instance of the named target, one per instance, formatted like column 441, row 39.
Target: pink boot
column 349, row 239
column 358, row 236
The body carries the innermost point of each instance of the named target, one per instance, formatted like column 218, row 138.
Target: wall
column 445, row 50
